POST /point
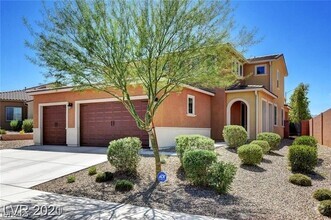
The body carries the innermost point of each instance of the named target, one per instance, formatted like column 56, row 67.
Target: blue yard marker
column 162, row 177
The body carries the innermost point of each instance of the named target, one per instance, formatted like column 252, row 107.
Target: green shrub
column 273, row 139
column 235, row 135
column 71, row 179
column 124, row 154
column 27, row 125
column 322, row 194
column 123, row 185
column 220, row 176
column 300, row 180
column 196, row 163
column 250, row 154
column 163, row 159
column 3, row 131
column 302, row 158
column 193, row 142
column 104, row 177
column 263, row 144
column 92, row 171
column 16, row 125
column 305, row 140
column 325, row 208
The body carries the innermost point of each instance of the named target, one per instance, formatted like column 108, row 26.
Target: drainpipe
column 256, row 113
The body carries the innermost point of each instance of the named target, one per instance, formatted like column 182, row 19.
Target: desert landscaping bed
column 261, row 192
column 15, row 144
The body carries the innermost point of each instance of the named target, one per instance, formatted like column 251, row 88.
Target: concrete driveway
column 29, row 166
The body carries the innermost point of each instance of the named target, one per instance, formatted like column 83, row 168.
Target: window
column 237, row 68
column 277, row 78
column 241, row 70
column 275, row 114
column 13, row 113
column 260, row 70
column 282, row 117
column 190, row 105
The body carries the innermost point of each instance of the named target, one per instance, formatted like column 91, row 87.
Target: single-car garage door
column 54, row 125
column 103, row 122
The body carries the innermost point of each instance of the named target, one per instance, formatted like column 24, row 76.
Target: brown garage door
column 103, row 122
column 54, row 125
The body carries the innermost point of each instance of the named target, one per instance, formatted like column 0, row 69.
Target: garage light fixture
column 70, row 105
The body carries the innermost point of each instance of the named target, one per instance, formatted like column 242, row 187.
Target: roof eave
column 252, row 90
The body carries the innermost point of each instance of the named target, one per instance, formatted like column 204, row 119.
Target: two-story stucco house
column 90, row 118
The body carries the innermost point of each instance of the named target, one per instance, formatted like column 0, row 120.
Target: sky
column 301, row 30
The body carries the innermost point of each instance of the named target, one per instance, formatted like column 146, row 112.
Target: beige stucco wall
column 280, row 66
column 249, row 98
column 30, row 109
column 255, row 126
column 252, row 79
column 269, row 81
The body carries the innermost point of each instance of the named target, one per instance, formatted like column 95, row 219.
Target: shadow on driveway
column 69, row 207
column 55, row 148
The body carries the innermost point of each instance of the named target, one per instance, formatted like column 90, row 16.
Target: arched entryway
column 238, row 113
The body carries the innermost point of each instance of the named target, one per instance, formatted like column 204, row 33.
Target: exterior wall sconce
column 69, row 105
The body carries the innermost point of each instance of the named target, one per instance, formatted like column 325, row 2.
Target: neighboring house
column 90, row 118
column 15, row 105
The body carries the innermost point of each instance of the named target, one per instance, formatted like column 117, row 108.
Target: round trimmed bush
column 221, row 175
column 104, row 177
column 92, row 171
column 325, row 208
column 123, row 185
column 124, row 154
column 250, row 154
column 196, row 163
column 71, row 179
column 263, row 144
column 300, row 180
column 302, row 158
column 322, row 194
column 305, row 140
column 235, row 135
column 273, row 139
column 16, row 125
column 193, row 142
column 27, row 125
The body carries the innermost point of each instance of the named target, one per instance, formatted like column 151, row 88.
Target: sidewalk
column 56, row 206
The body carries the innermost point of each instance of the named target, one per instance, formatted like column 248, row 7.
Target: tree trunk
column 155, row 147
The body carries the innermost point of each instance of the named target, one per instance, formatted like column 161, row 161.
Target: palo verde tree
column 299, row 104
column 159, row 45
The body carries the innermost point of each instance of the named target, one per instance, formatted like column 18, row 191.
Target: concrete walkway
column 69, row 207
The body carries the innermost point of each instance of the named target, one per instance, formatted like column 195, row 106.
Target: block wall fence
column 319, row 127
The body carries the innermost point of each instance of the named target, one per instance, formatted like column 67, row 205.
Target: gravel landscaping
column 15, row 144
column 261, row 192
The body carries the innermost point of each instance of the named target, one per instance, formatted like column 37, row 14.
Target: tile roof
column 240, row 87
column 263, row 58
column 17, row 95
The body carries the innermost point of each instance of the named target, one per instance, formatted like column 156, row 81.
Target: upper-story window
column 190, row 105
column 238, row 68
column 260, row 70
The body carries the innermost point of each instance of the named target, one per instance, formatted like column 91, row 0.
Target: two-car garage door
column 99, row 123
column 106, row 121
